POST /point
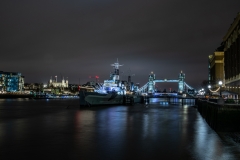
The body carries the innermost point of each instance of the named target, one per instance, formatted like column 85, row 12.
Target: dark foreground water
column 58, row 129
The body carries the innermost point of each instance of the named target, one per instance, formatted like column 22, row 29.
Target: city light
column 220, row 83
column 201, row 92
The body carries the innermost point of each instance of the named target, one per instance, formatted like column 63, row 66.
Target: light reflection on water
column 114, row 132
column 209, row 143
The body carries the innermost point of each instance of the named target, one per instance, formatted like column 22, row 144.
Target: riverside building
column 216, row 68
column 54, row 83
column 11, row 82
column 232, row 56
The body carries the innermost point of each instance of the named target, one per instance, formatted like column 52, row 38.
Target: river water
column 59, row 129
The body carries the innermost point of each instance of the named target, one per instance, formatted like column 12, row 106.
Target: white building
column 55, row 83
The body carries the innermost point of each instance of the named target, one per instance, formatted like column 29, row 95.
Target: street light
column 201, row 91
column 209, row 88
column 220, row 85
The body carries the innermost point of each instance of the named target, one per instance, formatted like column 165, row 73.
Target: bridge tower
column 181, row 79
column 151, row 83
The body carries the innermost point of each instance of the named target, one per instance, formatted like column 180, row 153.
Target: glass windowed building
column 11, row 81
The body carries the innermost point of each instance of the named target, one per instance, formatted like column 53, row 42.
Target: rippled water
column 59, row 129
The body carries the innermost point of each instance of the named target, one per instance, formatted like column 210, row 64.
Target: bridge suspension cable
column 143, row 88
column 188, row 86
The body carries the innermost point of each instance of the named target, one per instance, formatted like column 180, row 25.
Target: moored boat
column 112, row 91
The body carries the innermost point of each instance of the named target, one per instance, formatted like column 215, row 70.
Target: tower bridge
column 149, row 87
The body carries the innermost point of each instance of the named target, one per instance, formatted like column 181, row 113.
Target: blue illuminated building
column 11, row 81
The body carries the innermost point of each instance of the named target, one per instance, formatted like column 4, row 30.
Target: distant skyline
column 78, row 39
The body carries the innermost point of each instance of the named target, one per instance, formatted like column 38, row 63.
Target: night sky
column 78, row 39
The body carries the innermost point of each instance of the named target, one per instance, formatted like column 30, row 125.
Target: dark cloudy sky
column 81, row 38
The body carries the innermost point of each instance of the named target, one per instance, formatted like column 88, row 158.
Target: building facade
column 232, row 56
column 32, row 87
column 11, row 81
column 54, row 83
column 216, row 68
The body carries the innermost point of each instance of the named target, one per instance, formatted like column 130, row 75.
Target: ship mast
column 116, row 70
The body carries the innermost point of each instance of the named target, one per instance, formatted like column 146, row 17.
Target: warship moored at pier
column 111, row 92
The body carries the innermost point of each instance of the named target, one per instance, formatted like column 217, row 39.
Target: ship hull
column 93, row 98
column 104, row 100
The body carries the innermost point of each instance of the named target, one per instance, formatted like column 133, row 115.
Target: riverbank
column 31, row 96
column 11, row 95
column 224, row 119
column 233, row 136
column 221, row 118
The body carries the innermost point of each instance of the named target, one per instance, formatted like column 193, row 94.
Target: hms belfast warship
column 112, row 91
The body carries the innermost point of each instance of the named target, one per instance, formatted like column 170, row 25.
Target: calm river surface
column 41, row 129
